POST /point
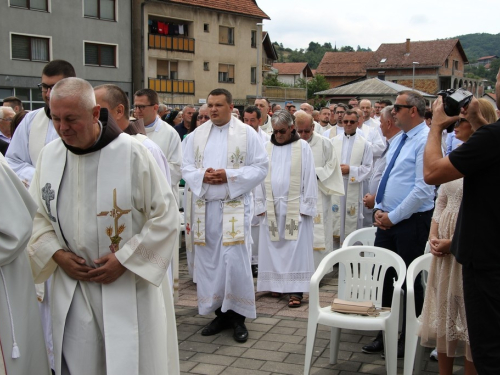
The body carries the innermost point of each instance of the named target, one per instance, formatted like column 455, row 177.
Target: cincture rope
column 15, row 348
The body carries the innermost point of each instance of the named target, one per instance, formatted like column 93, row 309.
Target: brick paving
column 277, row 340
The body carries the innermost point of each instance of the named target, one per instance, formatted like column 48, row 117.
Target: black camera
column 453, row 101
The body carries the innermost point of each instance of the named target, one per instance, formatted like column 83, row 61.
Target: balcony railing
column 172, row 86
column 277, row 92
column 171, row 43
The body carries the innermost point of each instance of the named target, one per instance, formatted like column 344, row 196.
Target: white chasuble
column 223, row 272
column 121, row 327
column 356, row 152
column 286, row 265
column 330, row 183
column 333, row 132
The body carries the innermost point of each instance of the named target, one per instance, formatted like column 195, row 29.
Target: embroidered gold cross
column 273, row 228
column 116, row 213
column 291, row 227
column 198, row 233
column 233, row 233
column 317, row 219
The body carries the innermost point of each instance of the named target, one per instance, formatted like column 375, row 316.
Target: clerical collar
column 153, row 123
column 135, row 127
column 294, row 138
column 109, row 132
column 350, row 135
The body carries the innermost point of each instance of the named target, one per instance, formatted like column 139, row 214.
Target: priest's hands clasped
column 215, row 176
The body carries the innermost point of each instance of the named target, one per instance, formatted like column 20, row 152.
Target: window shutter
column 20, row 47
column 91, row 54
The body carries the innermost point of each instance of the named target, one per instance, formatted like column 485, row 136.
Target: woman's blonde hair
column 487, row 110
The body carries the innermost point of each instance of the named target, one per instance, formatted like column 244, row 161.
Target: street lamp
column 413, row 85
column 258, row 38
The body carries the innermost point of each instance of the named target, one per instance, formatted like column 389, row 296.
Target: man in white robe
column 356, row 159
column 330, row 182
column 324, row 121
column 337, row 129
column 21, row 335
column 105, row 228
column 288, row 203
column 223, row 161
column 265, row 120
column 252, row 116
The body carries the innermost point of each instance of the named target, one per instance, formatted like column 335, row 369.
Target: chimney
column 407, row 45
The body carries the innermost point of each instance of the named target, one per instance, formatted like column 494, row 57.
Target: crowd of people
column 92, row 217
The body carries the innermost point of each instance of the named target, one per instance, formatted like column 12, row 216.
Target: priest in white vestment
column 223, row 161
column 251, row 117
column 356, row 160
column 330, row 182
column 21, row 336
column 106, row 228
column 265, row 120
column 288, row 203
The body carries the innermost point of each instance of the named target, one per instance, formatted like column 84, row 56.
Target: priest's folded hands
column 215, row 176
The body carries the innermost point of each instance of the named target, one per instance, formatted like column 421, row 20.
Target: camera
column 453, row 101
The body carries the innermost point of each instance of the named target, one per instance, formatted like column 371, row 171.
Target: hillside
column 479, row 45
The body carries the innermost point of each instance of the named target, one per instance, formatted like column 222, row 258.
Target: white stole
column 114, row 201
column 233, row 222
column 333, row 131
column 352, row 193
column 38, row 135
column 293, row 203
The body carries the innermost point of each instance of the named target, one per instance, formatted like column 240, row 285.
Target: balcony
column 170, row 43
column 172, row 86
column 283, row 93
column 267, row 64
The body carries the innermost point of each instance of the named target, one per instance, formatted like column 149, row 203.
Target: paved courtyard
column 277, row 340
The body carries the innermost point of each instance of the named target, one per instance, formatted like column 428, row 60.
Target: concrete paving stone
column 200, row 347
column 232, row 351
column 347, row 365
column 255, row 327
column 190, row 297
column 227, row 339
column 282, row 338
column 369, row 368
column 350, row 346
column 375, row 359
column 183, row 335
column 267, row 345
column 300, row 349
column 317, row 342
column 240, row 371
column 256, row 335
column 188, row 328
column 197, row 337
column 184, row 355
column 350, row 337
column 292, row 324
column 186, row 365
column 248, row 363
column 283, row 368
column 267, row 311
column 323, row 371
column 297, row 359
column 269, row 321
column 207, row 369
column 297, row 314
column 282, row 330
column 301, row 332
column 213, row 359
column 324, row 358
column 201, row 321
column 264, row 355
column 188, row 303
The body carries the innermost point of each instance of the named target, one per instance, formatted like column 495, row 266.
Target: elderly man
column 356, row 158
column 163, row 110
column 6, row 116
column 106, row 228
column 265, row 121
column 36, row 129
column 21, row 331
column 13, row 102
column 404, row 202
column 146, row 107
column 187, row 114
column 329, row 181
column 288, row 200
column 223, row 161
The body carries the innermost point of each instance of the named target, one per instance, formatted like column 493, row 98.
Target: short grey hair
column 188, row 106
column 71, row 87
column 282, row 117
column 162, row 107
column 4, row 109
column 413, row 98
column 203, row 107
column 387, row 112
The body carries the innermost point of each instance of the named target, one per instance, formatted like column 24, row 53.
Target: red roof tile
column 246, row 7
column 487, row 57
column 290, row 68
column 344, row 64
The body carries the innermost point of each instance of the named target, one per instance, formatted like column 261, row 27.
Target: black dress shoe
column 255, row 270
column 240, row 332
column 376, row 346
column 217, row 325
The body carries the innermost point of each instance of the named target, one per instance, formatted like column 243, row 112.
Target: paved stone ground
column 277, row 340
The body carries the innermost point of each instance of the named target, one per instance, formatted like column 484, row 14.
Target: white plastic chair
column 364, row 282
column 413, row 350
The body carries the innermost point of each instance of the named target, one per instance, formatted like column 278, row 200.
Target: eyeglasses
column 303, row 131
column 459, row 122
column 203, row 117
column 141, row 107
column 339, row 112
column 352, row 122
column 44, row 87
column 6, row 119
column 281, row 131
column 397, row 107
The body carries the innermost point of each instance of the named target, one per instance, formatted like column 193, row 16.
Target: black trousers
column 482, row 309
column 230, row 316
column 407, row 238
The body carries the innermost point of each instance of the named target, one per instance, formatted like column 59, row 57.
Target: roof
column 268, row 46
column 369, row 87
column 344, row 64
column 427, row 53
column 487, row 57
column 245, row 7
column 292, row 68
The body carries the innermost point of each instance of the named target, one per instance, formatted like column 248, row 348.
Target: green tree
column 318, row 83
column 346, row 49
column 272, row 80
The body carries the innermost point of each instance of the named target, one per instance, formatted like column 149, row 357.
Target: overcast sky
column 371, row 23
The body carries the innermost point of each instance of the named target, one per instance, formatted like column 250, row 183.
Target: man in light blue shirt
column 404, row 202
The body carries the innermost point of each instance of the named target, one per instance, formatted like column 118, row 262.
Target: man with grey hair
column 203, row 114
column 287, row 202
column 106, row 227
column 162, row 110
column 6, row 116
column 183, row 127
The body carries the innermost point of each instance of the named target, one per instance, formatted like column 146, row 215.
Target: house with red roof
column 340, row 68
column 291, row 72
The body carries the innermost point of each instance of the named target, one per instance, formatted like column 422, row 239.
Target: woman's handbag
column 360, row 308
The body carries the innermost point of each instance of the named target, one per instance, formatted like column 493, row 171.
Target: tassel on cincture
column 15, row 351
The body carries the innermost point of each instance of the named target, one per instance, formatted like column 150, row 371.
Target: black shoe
column 255, row 270
column 376, row 346
column 217, row 325
column 240, row 332
column 401, row 349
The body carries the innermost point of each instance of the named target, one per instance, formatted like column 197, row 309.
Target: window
column 253, row 75
column 31, row 98
column 226, row 35
column 31, row 48
column 31, row 4
column 100, row 54
column 456, row 64
column 226, row 73
column 101, row 9
column 381, row 75
column 206, row 66
column 206, row 27
column 254, row 39
column 446, row 63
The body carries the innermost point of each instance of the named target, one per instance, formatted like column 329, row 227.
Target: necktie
column 385, row 177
